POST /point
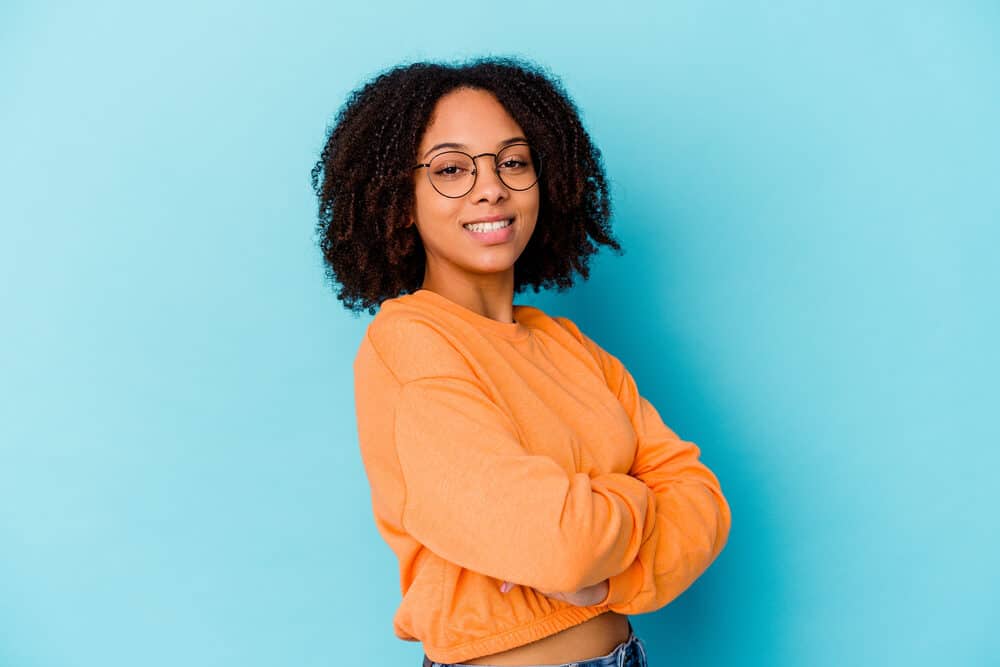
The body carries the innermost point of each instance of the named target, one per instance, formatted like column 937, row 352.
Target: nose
column 488, row 186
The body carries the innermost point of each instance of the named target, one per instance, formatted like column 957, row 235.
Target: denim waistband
column 630, row 653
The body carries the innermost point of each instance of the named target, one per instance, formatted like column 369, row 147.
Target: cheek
column 432, row 208
column 422, row 197
column 530, row 205
column 419, row 195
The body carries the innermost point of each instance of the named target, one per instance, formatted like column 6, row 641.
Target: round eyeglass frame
column 536, row 156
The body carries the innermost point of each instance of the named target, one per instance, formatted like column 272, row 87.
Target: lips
column 509, row 221
column 491, row 218
column 492, row 236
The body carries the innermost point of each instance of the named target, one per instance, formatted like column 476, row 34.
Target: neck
column 494, row 300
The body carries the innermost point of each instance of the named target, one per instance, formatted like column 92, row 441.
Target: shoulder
column 562, row 325
column 610, row 365
column 569, row 325
column 414, row 344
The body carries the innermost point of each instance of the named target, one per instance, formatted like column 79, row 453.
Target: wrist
column 601, row 592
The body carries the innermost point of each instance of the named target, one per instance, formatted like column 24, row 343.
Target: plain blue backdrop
column 808, row 197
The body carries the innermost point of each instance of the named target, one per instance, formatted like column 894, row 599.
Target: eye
column 514, row 165
column 450, row 170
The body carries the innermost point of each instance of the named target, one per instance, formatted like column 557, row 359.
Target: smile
column 481, row 227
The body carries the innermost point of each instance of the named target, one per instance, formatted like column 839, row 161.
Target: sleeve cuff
column 622, row 588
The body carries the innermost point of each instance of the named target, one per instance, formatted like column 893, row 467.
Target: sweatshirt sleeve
column 692, row 518
column 476, row 497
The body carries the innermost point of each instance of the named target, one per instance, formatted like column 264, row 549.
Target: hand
column 585, row 597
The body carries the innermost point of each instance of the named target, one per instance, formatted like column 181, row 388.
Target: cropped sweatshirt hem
column 504, row 640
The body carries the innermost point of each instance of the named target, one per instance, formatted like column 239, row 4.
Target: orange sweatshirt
column 523, row 452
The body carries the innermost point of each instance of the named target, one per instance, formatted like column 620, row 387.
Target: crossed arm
column 691, row 519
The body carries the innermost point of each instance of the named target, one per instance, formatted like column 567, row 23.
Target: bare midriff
column 593, row 638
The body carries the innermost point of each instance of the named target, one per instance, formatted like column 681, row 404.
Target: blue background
column 808, row 196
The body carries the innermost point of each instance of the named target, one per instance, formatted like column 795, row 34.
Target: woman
column 533, row 498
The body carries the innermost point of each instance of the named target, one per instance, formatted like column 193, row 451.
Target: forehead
column 471, row 117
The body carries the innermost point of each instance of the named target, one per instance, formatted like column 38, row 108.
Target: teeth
column 487, row 226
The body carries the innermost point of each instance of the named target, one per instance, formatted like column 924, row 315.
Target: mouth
column 491, row 233
column 487, row 227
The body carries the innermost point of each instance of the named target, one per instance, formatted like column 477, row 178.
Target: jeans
column 630, row 653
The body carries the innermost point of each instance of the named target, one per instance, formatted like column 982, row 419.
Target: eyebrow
column 505, row 142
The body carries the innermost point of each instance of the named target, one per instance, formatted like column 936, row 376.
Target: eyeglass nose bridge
column 495, row 170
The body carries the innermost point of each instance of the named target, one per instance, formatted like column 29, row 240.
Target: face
column 476, row 123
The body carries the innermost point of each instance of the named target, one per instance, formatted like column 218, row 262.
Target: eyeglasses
column 453, row 173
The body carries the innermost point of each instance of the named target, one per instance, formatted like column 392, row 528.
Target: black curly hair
column 363, row 178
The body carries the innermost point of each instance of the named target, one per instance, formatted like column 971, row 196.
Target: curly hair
column 363, row 178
